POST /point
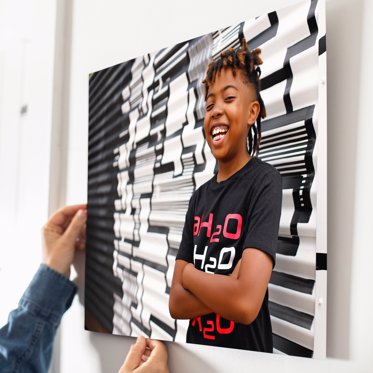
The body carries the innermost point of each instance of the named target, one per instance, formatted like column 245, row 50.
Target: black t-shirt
column 223, row 219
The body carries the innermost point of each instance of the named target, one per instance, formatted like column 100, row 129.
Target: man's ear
column 252, row 115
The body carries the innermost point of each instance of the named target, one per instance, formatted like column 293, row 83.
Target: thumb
column 77, row 223
column 159, row 352
column 135, row 353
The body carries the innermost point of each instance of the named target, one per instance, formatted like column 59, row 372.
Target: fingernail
column 81, row 214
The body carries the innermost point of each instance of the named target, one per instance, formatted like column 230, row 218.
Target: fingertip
column 81, row 246
column 140, row 343
column 80, row 219
column 160, row 346
column 81, row 214
column 154, row 342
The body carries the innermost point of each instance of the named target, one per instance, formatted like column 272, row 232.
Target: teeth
column 219, row 130
column 218, row 137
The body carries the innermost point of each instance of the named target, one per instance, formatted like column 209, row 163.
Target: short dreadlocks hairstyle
column 247, row 62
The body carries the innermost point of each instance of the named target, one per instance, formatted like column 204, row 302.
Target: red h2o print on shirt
column 213, row 327
column 214, row 233
column 231, row 229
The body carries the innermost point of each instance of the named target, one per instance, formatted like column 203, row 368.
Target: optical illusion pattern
column 147, row 154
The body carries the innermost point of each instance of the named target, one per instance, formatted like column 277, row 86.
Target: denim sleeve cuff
column 49, row 295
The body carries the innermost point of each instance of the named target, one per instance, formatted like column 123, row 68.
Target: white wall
column 26, row 80
column 107, row 32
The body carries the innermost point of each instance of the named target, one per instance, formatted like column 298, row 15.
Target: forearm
column 184, row 305
column 26, row 341
column 224, row 295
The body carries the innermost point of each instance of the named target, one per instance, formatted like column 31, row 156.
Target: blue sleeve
column 26, row 341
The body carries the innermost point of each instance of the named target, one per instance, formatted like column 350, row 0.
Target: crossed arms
column 238, row 297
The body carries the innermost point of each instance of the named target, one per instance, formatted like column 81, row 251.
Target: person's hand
column 146, row 356
column 62, row 235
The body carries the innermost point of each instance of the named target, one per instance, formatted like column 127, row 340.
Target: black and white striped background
column 147, row 154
